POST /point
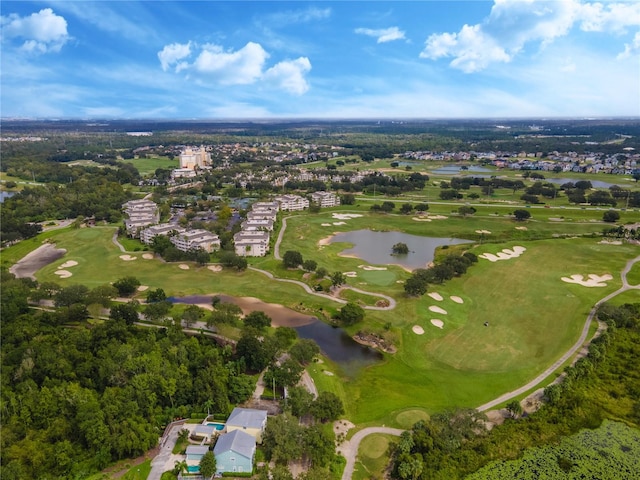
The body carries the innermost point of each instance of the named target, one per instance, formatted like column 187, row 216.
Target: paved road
column 159, row 463
column 349, row 448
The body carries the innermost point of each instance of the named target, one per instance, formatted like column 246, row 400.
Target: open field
column 534, row 316
column 148, row 166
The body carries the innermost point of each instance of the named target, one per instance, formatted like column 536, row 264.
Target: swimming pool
column 193, row 468
column 219, row 426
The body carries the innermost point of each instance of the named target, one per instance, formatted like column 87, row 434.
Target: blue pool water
column 193, row 468
column 219, row 426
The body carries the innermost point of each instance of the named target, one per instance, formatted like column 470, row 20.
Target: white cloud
column 296, row 16
column 241, row 67
column 630, row 49
column 172, row 54
column 246, row 66
column 290, row 75
column 514, row 23
column 42, row 32
column 383, row 34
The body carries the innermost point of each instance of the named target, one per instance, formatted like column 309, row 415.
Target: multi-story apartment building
column 140, row 213
column 251, row 243
column 292, row 202
column 258, row 224
column 192, row 157
column 192, row 239
column 325, row 199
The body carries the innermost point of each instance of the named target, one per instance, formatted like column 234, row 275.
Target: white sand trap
column 143, row 288
column 455, row 298
column 610, row 242
column 326, row 224
column 437, row 323
column 339, row 223
column 345, row 216
column 437, row 217
column 435, row 296
column 147, row 256
column 505, row 254
column 63, row 273
column 592, row 281
column 487, row 232
column 68, row 264
column 215, row 268
column 418, row 330
column 439, row 310
column 370, row 268
column 421, row 219
column 351, row 274
column 183, row 266
column 522, row 228
column 127, row 258
column 327, row 372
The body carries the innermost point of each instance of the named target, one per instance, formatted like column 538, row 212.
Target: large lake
column 377, row 247
column 334, row 343
column 453, row 169
column 595, row 183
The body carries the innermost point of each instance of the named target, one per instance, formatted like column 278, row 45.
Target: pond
column 377, row 247
column 453, row 169
column 594, row 183
column 334, row 343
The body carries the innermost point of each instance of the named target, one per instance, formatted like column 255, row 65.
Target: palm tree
column 180, row 467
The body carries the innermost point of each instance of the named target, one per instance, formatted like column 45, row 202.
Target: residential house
column 325, row 199
column 235, row 452
column 195, row 454
column 249, row 420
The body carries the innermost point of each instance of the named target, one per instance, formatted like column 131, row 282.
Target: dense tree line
column 604, row 384
column 442, row 270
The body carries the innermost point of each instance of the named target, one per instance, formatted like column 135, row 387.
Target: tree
column 348, row 199
column 282, row 439
column 406, row 208
column 191, row 315
column 521, row 215
column 400, row 249
column 387, row 206
column 466, row 210
column 351, row 314
column 415, row 286
column 327, row 407
column 338, row 278
column 514, row 408
column 208, row 465
column 157, row 311
column 258, row 320
column 125, row 311
column 421, row 207
column 102, row 295
column 292, row 259
column 304, row 351
column 610, row 216
column 287, row 374
column 70, row 295
column 126, row 286
column 299, row 401
column 321, row 272
column 310, row 265
column 253, row 351
column 156, row 295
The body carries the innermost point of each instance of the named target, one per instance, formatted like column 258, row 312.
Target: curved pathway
column 350, row 447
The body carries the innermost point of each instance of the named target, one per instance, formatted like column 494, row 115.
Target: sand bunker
column 215, row 268
column 63, row 273
column 421, row 219
column 68, row 264
column 439, row 310
column 183, row 266
column 369, row 267
column 428, row 218
column 127, row 258
column 147, row 256
column 326, row 224
column 610, row 242
column 522, row 228
column 505, row 254
column 345, row 216
column 592, row 281
column 437, row 323
column 487, row 232
column 418, row 330
column 351, row 274
column 456, row 299
column 339, row 223
column 143, row 288
column 327, row 372
column 435, row 296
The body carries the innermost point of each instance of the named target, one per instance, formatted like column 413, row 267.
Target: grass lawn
column 373, row 456
column 148, row 166
column 534, row 317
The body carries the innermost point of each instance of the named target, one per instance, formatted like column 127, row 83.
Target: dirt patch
column 42, row 256
column 374, row 341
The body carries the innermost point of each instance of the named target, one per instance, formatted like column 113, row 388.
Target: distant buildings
column 253, row 239
column 325, row 199
column 140, row 213
column 183, row 239
column 192, row 158
column 292, row 203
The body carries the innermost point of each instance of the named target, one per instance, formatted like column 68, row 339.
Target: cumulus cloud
column 383, row 34
column 512, row 24
column 171, row 54
column 630, row 49
column 298, row 16
column 42, row 32
column 290, row 75
column 245, row 66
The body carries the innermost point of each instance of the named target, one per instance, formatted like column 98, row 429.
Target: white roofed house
column 192, row 239
column 325, row 199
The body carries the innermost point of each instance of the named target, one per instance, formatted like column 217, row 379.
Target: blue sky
column 222, row 60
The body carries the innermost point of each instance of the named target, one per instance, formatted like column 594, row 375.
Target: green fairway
column 148, row 166
column 533, row 315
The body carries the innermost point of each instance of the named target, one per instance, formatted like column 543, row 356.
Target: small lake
column 4, row 195
column 333, row 342
column 595, row 183
column 454, row 169
column 377, row 247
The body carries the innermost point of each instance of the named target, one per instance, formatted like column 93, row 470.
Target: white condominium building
column 292, row 202
column 192, row 157
column 325, row 199
column 192, row 239
column 147, row 235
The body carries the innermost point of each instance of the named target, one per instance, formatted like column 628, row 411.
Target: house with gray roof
column 235, row 452
column 249, row 420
